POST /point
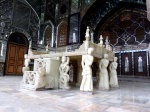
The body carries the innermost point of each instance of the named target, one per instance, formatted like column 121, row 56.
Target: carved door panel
column 11, row 59
column 21, row 50
column 15, row 59
column 118, row 68
column 126, row 64
column 140, row 63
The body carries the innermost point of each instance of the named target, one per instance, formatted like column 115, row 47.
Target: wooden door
column 140, row 68
column 15, row 59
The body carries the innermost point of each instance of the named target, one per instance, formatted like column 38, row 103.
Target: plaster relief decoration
column 87, row 79
column 62, row 34
column 5, row 18
column 40, row 64
column 104, row 79
column 30, row 78
column 140, row 64
column 113, row 73
column 64, row 76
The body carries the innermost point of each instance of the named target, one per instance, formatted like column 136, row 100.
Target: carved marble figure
column 104, row 79
column 113, row 73
column 27, row 60
column 87, row 81
column 26, row 67
column 64, row 77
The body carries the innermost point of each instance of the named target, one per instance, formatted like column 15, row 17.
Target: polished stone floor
column 129, row 97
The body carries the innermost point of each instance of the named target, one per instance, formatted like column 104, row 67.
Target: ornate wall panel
column 12, row 19
column 75, row 6
column 74, row 28
column 5, row 18
column 50, row 11
column 21, row 15
column 140, row 64
column 43, row 27
column 38, row 6
column 129, row 27
column 48, row 36
column 62, row 34
column 63, row 9
column 34, row 28
column 101, row 10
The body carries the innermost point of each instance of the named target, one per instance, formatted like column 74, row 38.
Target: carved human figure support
column 104, row 80
column 27, row 60
column 87, row 81
column 26, row 67
column 64, row 77
column 30, row 52
column 113, row 73
column 26, row 64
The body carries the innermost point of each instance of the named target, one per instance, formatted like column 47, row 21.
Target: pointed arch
column 48, row 33
column 62, row 30
column 17, row 47
column 48, row 36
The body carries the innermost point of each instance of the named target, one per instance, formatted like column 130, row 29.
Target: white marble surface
column 129, row 97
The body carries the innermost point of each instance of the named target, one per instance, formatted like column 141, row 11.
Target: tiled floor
column 129, row 97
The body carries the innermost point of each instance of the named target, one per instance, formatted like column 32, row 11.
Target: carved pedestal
column 45, row 75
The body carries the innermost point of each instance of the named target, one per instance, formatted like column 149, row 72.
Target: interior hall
column 74, row 55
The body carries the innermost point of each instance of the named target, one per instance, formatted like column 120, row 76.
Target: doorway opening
column 16, row 48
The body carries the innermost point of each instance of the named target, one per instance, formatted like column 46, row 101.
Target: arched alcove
column 17, row 46
column 62, row 34
column 48, row 36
